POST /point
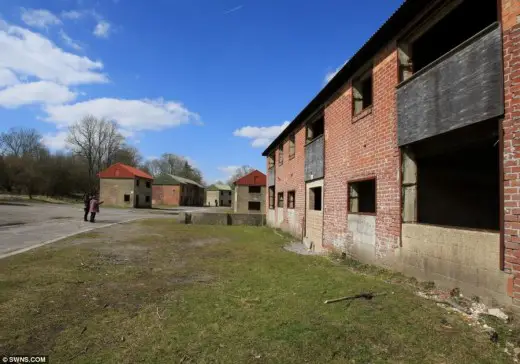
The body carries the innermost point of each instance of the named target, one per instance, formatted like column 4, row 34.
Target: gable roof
column 405, row 14
column 171, row 180
column 120, row 170
column 255, row 178
column 219, row 187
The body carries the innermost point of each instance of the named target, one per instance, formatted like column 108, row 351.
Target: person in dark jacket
column 86, row 208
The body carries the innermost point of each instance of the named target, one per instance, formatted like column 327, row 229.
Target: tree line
column 27, row 166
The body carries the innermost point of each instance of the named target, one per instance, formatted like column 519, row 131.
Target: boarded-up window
column 291, row 195
column 292, row 148
column 253, row 206
column 362, row 196
column 280, row 155
column 270, row 160
column 271, row 197
column 280, row 199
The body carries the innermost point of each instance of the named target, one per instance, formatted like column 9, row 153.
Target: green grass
column 161, row 292
column 37, row 199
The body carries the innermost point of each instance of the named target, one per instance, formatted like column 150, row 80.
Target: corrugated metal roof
column 255, row 178
column 120, row 170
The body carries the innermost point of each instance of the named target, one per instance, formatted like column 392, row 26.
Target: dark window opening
column 362, row 93
column 253, row 206
column 270, row 161
column 291, row 196
column 137, row 183
column 127, row 198
column 315, row 198
column 362, row 197
column 459, row 25
column 280, row 199
column 221, row 202
column 292, row 148
column 255, row 189
column 271, row 197
column 147, row 198
column 280, row 155
column 148, row 184
column 458, row 178
column 315, row 129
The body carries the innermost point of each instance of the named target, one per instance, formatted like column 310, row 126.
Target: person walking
column 94, row 208
column 86, row 207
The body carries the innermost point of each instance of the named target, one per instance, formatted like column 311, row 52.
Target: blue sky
column 211, row 80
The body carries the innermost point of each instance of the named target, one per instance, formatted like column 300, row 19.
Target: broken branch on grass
column 367, row 296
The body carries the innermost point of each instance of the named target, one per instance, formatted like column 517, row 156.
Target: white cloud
column 44, row 92
column 72, row 14
column 102, row 29
column 232, row 10
column 69, row 41
column 261, row 136
column 7, row 78
column 31, row 54
column 56, row 141
column 131, row 115
column 229, row 170
column 330, row 75
column 39, row 18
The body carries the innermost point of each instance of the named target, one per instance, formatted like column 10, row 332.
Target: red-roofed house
column 249, row 196
column 126, row 186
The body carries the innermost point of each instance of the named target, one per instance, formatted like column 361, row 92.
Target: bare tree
column 170, row 163
column 96, row 141
column 128, row 155
column 240, row 172
column 19, row 142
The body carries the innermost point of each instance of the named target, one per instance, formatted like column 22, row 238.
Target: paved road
column 24, row 226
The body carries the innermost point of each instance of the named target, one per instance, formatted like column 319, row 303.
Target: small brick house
column 249, row 193
column 409, row 157
column 125, row 186
column 219, row 195
column 171, row 190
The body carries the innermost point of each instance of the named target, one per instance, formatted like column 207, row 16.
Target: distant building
column 222, row 194
column 125, row 186
column 173, row 190
column 249, row 194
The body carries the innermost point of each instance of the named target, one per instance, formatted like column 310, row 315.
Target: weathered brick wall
column 511, row 125
column 290, row 177
column 112, row 191
column 364, row 146
column 165, row 195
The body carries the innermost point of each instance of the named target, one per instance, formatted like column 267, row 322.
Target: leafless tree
column 96, row 141
column 19, row 142
column 240, row 172
column 170, row 163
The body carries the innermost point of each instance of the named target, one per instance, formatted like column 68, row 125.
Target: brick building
column 410, row 156
column 171, row 190
column 125, row 186
column 249, row 193
column 219, row 195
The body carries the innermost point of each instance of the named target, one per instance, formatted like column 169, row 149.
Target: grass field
column 161, row 292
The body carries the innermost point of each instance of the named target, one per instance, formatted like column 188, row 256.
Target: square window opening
column 291, row 196
column 147, row 198
column 148, row 184
column 280, row 155
column 271, row 197
column 127, row 198
column 362, row 197
column 253, row 206
column 280, row 199
column 362, row 93
column 315, row 198
column 137, row 183
column 255, row 189
column 270, row 161
column 315, row 129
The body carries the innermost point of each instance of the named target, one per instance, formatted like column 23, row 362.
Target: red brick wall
column 360, row 147
column 290, row 176
column 165, row 195
column 511, row 125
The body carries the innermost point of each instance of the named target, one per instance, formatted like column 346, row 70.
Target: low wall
column 224, row 219
column 454, row 258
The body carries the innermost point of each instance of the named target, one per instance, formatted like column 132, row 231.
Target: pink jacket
column 94, row 205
